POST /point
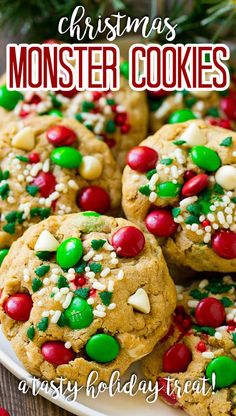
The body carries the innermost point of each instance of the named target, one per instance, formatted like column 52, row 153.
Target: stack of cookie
column 83, row 290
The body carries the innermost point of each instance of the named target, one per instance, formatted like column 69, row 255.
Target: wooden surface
column 11, row 398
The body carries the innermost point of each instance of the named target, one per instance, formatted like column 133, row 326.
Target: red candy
column 128, row 241
column 210, row 312
column 61, row 136
column 189, row 174
column 201, row 346
column 228, row 106
column 177, row 358
column 160, row 222
column 158, row 94
column 34, row 157
column 166, row 395
column 46, row 183
column 224, row 244
column 56, row 353
column 18, row 306
column 68, row 94
column 94, row 198
column 142, row 158
column 195, row 185
column 3, row 412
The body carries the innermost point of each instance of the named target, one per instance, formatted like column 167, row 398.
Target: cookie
column 201, row 341
column 119, row 118
column 91, row 293
column 180, row 184
column 217, row 108
column 50, row 165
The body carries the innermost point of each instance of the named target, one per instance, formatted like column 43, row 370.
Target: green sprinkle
column 81, row 267
column 176, row 212
column 34, row 212
column 23, row 158
column 97, row 244
column 166, row 161
column 234, row 337
column 217, row 288
column 83, row 292
column 197, row 294
column 44, row 255
column 55, row 102
column 5, row 175
column 95, row 267
column 110, row 101
column 226, row 302
column 9, row 228
column 227, row 142
column 105, row 297
column 150, row 173
column 42, row 270
column 87, row 106
column 4, row 191
column 192, row 219
column 145, row 190
column 110, row 126
column 62, row 321
column 62, row 282
column 179, row 142
column 205, row 329
column 36, row 284
column 79, row 117
column 218, row 189
column 43, row 324
column 190, row 101
column 11, row 216
column 32, row 189
column 194, row 209
column 31, row 332
column 44, row 213
column 233, row 200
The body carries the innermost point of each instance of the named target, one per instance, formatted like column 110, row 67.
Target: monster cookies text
column 97, row 67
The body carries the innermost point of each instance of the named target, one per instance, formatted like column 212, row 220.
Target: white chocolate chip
column 193, row 136
column 91, row 168
column 24, row 139
column 46, row 242
column 140, row 301
column 226, row 177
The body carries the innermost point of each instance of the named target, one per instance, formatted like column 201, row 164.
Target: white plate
column 103, row 405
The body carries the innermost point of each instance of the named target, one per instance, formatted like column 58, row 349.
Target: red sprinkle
column 92, row 293
column 177, row 358
column 125, row 128
column 120, row 118
column 94, row 198
column 210, row 312
column 96, row 95
column 35, row 99
column 142, row 158
column 205, row 223
column 56, row 353
column 201, row 346
column 128, row 241
column 34, row 157
column 23, row 113
column 160, row 222
column 18, row 306
column 224, row 244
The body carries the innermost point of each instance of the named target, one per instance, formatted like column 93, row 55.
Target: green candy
column 102, row 348
column 3, row 254
column 124, row 69
column 79, row 315
column 91, row 214
column 9, row 98
column 168, row 189
column 69, row 252
column 67, row 157
column 181, row 115
column 205, row 158
column 225, row 372
column 55, row 112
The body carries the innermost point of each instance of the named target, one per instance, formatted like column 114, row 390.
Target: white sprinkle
column 55, row 318
column 192, row 303
column 99, row 314
column 108, row 246
column 187, row 201
column 90, row 301
column 46, row 165
column 98, row 257
column 105, row 272
column 218, row 335
column 40, row 303
column 89, row 255
column 203, row 283
column 114, row 261
column 45, row 314
column 68, row 300
column 120, row 275
column 152, row 197
column 99, row 286
column 208, row 354
column 110, row 286
column 64, row 290
column 67, row 345
column 112, row 306
column 46, row 281
column 73, row 185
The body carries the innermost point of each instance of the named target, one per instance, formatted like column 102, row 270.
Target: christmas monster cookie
column 217, row 108
column 119, row 118
column 201, row 341
column 180, row 184
column 50, row 166
column 84, row 292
